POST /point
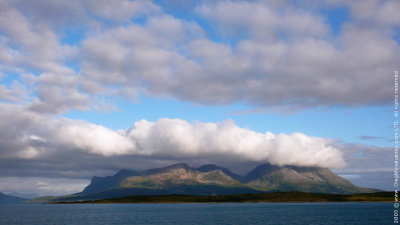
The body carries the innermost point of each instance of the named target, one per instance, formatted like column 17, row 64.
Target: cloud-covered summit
column 39, row 137
column 176, row 137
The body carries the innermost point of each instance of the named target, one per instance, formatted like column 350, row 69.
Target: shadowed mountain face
column 212, row 167
column 214, row 180
column 99, row 184
column 167, row 178
column 268, row 177
column 259, row 172
column 10, row 199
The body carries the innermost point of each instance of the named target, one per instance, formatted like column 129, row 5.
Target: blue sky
column 102, row 85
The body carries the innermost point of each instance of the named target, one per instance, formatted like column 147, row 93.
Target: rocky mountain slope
column 267, row 177
column 215, row 180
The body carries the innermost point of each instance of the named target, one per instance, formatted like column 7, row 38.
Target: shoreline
column 276, row 197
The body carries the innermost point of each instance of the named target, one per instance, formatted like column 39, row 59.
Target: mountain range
column 210, row 179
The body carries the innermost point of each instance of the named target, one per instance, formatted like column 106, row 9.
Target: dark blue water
column 230, row 213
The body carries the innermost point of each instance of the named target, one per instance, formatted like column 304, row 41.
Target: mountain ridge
column 211, row 179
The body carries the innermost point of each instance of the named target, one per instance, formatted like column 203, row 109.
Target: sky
column 91, row 87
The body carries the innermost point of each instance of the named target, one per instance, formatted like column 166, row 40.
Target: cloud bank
column 263, row 53
column 35, row 137
column 180, row 138
column 40, row 146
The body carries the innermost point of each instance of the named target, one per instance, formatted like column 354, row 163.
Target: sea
column 199, row 213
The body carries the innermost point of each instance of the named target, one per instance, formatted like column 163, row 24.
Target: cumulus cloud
column 38, row 46
column 262, row 19
column 307, row 67
column 266, row 54
column 88, row 137
column 79, row 13
column 374, row 13
column 37, row 145
column 167, row 137
column 175, row 139
column 57, row 93
column 16, row 93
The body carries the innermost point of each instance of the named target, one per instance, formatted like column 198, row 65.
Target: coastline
column 276, row 197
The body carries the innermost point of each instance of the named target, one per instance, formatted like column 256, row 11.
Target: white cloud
column 261, row 19
column 16, row 93
column 81, row 13
column 37, row 137
column 37, row 44
column 28, row 153
column 121, row 10
column 291, row 56
column 270, row 54
column 36, row 47
column 376, row 12
column 88, row 137
column 175, row 137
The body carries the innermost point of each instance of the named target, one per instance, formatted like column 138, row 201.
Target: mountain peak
column 180, row 178
column 167, row 168
column 260, row 171
column 212, row 167
column 269, row 177
column 98, row 184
